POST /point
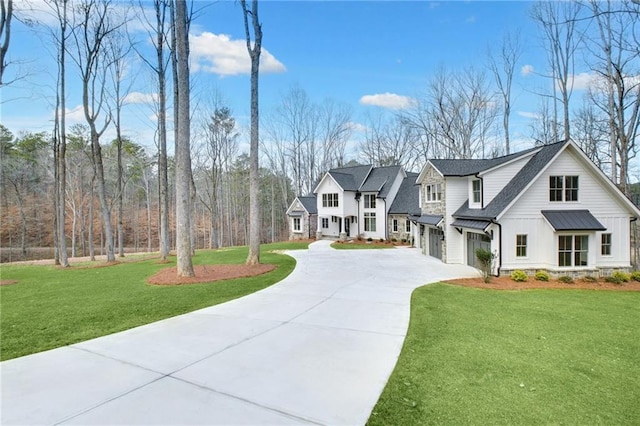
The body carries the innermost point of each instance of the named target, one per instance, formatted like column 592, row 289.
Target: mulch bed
column 209, row 273
column 506, row 283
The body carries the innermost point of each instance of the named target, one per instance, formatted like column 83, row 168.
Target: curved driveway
column 316, row 348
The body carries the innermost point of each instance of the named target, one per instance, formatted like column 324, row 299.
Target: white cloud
column 141, row 98
column 388, row 100
column 219, row 54
column 75, row 114
column 526, row 70
column 528, row 114
column 582, row 81
column 357, row 127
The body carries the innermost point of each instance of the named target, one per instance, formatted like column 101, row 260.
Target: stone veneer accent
column 401, row 234
column 573, row 273
column 432, row 177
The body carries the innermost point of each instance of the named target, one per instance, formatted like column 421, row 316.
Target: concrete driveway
column 316, row 348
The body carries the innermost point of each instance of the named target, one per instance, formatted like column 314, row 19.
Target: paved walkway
column 316, row 348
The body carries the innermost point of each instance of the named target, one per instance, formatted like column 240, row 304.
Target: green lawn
column 52, row 307
column 475, row 356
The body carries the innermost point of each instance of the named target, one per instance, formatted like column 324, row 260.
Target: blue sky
column 351, row 52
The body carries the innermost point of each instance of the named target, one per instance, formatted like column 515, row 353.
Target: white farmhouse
column 547, row 208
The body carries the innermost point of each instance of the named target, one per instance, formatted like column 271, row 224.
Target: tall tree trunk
column 253, row 257
column 183, row 151
column 62, row 148
column 102, row 196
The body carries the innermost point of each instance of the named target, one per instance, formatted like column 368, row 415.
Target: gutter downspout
column 386, row 219
column 499, row 247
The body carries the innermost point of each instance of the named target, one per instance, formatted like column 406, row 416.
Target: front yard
column 477, row 356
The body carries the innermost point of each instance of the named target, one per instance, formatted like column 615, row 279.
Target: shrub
column 394, row 240
column 635, row 275
column 542, row 276
column 403, row 241
column 369, row 239
column 618, row 277
column 486, row 260
column 565, row 279
column 589, row 279
column 519, row 276
column 382, row 240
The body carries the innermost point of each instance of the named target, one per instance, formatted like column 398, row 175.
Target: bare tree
column 503, row 65
column 253, row 257
column 94, row 28
column 6, row 13
column 558, row 22
column 183, row 150
column 388, row 142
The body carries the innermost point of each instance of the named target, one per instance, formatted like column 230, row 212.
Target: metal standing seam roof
column 480, row 225
column 427, row 219
column 572, row 220
column 515, row 186
column 407, row 198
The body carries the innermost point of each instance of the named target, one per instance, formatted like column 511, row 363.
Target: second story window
column 369, row 201
column 433, row 193
column 563, row 188
column 476, row 187
column 329, row 200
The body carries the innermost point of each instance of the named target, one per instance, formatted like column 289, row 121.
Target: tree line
column 71, row 189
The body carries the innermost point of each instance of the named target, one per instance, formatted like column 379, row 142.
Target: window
column 407, row 226
column 521, row 245
column 605, row 248
column 433, row 193
column 395, row 225
column 563, row 188
column 573, row 250
column 477, row 190
column 369, row 201
column 329, row 200
column 370, row 222
column 325, row 222
column 296, row 224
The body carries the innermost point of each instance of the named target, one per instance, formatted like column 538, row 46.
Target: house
column 303, row 214
column 547, row 208
column 355, row 201
column 405, row 205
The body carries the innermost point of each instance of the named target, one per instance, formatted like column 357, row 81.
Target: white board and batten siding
column 525, row 217
column 456, row 194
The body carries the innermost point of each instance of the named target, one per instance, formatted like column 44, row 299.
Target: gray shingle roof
column 380, row 180
column 309, row 203
column 406, row 201
column 572, row 220
column 449, row 167
column 350, row 178
column 515, row 185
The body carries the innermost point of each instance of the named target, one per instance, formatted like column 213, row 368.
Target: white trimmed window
column 407, row 226
column 476, row 188
column 330, row 200
column 395, row 225
column 325, row 222
column 433, row 193
column 521, row 245
column 573, row 250
column 605, row 247
column 563, row 188
column 369, row 222
column 296, row 224
column 369, row 201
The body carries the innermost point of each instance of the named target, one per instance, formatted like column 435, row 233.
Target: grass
column 52, row 307
column 360, row 246
column 475, row 356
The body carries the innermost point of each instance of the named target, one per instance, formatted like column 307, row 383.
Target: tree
column 95, row 27
column 253, row 257
column 6, row 13
column 503, row 66
column 183, row 150
column 558, row 22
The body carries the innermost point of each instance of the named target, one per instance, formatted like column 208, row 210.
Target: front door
column 435, row 242
column 347, row 221
column 476, row 241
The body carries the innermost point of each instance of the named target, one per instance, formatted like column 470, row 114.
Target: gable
column 428, row 174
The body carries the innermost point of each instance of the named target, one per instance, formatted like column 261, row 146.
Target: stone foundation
column 573, row 273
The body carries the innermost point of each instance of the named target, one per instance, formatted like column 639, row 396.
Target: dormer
column 475, row 192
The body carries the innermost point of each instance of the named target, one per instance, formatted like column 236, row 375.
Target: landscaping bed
column 507, row 283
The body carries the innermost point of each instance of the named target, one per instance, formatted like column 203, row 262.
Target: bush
column 369, row 239
column 589, row 279
column 635, row 275
column 403, row 241
column 486, row 260
column 382, row 240
column 565, row 279
column 519, row 276
column 394, row 240
column 618, row 277
column 542, row 276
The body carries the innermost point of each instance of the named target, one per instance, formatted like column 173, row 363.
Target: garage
column 436, row 236
column 476, row 241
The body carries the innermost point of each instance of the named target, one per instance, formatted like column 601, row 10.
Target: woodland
column 72, row 192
